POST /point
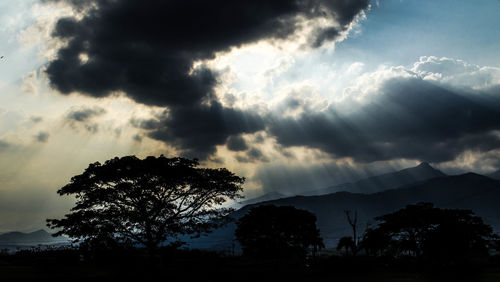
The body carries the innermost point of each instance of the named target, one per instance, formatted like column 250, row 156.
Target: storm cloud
column 197, row 130
column 153, row 52
column 408, row 118
column 236, row 143
column 147, row 50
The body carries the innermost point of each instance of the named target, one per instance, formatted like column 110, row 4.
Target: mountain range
column 266, row 197
column 39, row 237
column 368, row 185
column 384, row 182
column 472, row 191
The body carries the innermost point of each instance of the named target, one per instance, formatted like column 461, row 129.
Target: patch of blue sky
column 398, row 32
column 19, row 59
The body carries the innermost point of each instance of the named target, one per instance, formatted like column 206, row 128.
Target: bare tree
column 353, row 222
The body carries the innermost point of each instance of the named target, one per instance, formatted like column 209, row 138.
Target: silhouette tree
column 146, row 201
column 353, row 222
column 347, row 244
column 278, row 232
column 375, row 242
column 408, row 227
column 423, row 231
column 459, row 237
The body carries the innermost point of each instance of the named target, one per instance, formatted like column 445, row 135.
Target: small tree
column 270, row 232
column 353, row 222
column 375, row 242
column 146, row 201
column 347, row 244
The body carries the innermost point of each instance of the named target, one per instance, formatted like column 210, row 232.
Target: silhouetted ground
column 67, row 265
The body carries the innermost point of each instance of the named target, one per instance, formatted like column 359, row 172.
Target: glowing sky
column 293, row 95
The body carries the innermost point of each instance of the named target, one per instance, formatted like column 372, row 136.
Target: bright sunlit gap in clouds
column 363, row 88
column 263, row 71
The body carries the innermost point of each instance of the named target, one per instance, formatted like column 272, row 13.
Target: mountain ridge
column 36, row 237
column 466, row 191
column 392, row 180
column 494, row 175
column 266, row 197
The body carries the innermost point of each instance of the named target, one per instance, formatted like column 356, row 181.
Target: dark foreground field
column 70, row 265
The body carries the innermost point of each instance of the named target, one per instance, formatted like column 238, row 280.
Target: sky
column 293, row 95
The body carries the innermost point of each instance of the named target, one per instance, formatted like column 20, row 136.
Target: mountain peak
column 424, row 168
column 424, row 164
column 392, row 180
column 39, row 232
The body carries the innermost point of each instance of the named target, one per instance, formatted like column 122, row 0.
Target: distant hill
column 467, row 191
column 32, row 238
column 266, row 197
column 494, row 175
column 398, row 179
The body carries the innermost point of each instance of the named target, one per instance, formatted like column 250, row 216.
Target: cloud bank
column 407, row 117
column 433, row 111
column 149, row 51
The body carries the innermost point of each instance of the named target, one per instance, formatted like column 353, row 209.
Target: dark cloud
column 410, row 118
column 259, row 138
column 236, row 143
column 42, row 137
column 118, row 131
column 92, row 128
column 492, row 160
column 137, row 138
column 4, row 145
column 36, row 119
column 9, row 146
column 325, row 35
column 146, row 49
column 253, row 155
column 198, row 129
column 147, row 124
column 83, row 114
column 81, row 118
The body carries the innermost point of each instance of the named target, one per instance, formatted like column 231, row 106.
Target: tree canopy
column 424, row 231
column 146, row 201
column 269, row 231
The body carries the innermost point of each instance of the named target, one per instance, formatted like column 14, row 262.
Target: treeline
column 420, row 231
